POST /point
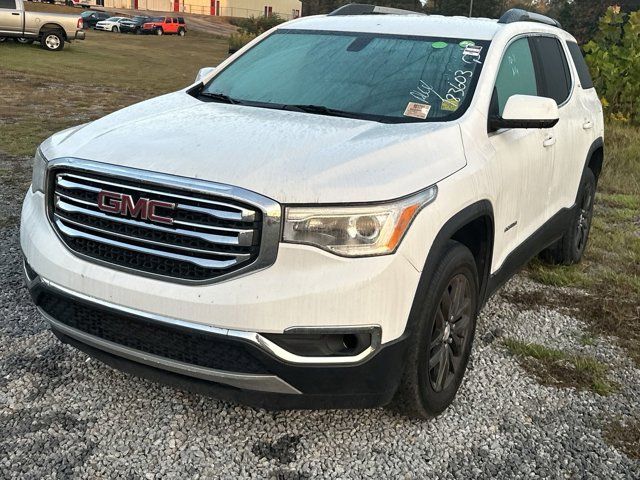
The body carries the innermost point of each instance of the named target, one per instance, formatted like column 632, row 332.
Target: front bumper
column 305, row 288
column 227, row 365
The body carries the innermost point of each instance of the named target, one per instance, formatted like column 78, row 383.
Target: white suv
column 318, row 221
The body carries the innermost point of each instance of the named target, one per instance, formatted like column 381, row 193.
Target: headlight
column 38, row 177
column 355, row 231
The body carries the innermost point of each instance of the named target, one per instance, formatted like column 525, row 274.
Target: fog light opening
column 350, row 342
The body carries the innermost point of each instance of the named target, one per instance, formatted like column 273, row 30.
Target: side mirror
column 527, row 111
column 203, row 72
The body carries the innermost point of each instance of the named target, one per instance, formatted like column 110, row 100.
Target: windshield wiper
column 320, row 110
column 220, row 97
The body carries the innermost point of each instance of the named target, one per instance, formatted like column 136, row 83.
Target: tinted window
column 555, row 77
column 516, row 75
column 581, row 65
column 11, row 4
column 394, row 78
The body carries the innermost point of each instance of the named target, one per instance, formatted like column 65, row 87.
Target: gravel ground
column 63, row 415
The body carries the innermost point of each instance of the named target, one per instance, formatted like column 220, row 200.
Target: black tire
column 137, row 31
column 181, row 32
column 570, row 248
column 3, row 39
column 159, row 32
column 24, row 41
column 435, row 366
column 52, row 40
column 115, row 29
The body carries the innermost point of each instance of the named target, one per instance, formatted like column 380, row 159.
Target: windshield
column 392, row 78
column 113, row 19
column 157, row 19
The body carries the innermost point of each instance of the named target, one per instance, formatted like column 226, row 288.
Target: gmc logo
column 123, row 204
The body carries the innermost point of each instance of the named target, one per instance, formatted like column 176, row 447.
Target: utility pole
column 471, row 8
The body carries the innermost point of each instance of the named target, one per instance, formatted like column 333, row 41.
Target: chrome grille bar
column 199, row 232
column 239, row 214
column 243, row 236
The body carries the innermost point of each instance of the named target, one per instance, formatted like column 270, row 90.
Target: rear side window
column 553, row 68
column 581, row 65
column 10, row 4
column 516, row 76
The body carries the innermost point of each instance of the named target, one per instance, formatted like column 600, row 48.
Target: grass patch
column 90, row 79
column 559, row 369
column 610, row 269
column 625, row 437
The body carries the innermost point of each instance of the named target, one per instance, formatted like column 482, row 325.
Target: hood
column 291, row 157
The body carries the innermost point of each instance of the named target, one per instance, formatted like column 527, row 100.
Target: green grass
column 560, row 369
column 610, row 269
column 90, row 79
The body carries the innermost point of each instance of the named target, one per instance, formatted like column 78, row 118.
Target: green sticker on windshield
column 466, row 43
column 439, row 44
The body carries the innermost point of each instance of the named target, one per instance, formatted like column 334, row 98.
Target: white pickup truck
column 52, row 30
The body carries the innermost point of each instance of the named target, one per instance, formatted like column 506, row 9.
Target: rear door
column 11, row 19
column 569, row 138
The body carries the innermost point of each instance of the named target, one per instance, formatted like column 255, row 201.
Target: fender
column 483, row 208
column 598, row 143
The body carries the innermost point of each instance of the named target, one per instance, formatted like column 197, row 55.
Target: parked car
column 111, row 24
column 52, row 30
column 350, row 191
column 165, row 26
column 91, row 17
column 133, row 25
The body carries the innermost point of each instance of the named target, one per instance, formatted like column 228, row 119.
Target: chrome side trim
column 246, row 381
column 252, row 337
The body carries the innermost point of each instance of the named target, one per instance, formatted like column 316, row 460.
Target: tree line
column 580, row 17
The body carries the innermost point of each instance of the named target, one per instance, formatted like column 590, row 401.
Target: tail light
column 80, row 24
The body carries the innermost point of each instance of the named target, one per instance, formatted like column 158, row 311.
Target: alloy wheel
column 52, row 42
column 450, row 334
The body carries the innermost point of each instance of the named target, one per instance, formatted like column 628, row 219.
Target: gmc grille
column 202, row 237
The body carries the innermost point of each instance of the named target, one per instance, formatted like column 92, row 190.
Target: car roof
column 414, row 24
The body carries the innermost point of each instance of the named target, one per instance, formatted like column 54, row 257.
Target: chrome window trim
column 252, row 337
column 271, row 212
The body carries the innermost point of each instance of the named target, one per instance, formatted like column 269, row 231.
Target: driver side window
column 516, row 76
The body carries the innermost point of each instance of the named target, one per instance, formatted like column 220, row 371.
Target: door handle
column 15, row 13
column 587, row 125
column 550, row 141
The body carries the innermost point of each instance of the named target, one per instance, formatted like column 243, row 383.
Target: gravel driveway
column 63, row 415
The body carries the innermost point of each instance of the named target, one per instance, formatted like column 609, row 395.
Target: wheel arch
column 473, row 227
column 595, row 157
column 49, row 27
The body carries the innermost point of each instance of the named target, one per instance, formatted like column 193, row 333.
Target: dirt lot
column 553, row 388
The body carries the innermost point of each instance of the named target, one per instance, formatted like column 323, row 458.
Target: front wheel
column 441, row 337
column 570, row 248
column 181, row 32
column 24, row 41
column 115, row 29
column 52, row 41
column 159, row 31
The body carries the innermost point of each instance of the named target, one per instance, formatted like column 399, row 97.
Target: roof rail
column 519, row 15
column 363, row 9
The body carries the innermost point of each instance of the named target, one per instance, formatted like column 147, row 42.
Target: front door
column 524, row 157
column 10, row 17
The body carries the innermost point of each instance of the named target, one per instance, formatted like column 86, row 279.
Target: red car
column 165, row 26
